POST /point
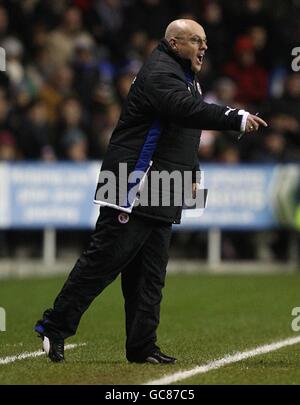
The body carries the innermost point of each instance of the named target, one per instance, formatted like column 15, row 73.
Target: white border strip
column 229, row 359
column 26, row 355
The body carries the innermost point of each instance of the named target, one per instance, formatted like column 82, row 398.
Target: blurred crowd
column 70, row 64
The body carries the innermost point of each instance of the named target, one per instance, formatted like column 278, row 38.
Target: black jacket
column 160, row 127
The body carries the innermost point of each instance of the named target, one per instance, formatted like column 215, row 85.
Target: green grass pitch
column 203, row 317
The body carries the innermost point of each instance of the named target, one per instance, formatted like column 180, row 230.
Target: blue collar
column 189, row 76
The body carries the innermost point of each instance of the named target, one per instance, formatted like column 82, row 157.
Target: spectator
column 259, row 37
column 7, row 121
column 71, row 117
column 14, row 67
column 102, row 132
column 150, row 16
column 223, row 92
column 74, row 143
column 8, row 146
column 207, row 152
column 217, row 32
column 126, row 77
column 228, row 154
column 288, row 104
column 4, row 21
column 35, row 134
column 39, row 70
column 88, row 71
column 61, row 41
column 55, row 90
column 250, row 77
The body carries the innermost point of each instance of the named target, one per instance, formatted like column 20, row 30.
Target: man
column 158, row 130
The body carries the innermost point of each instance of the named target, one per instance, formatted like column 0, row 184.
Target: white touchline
column 27, row 355
column 228, row 359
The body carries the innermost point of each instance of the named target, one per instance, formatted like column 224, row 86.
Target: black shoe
column 54, row 348
column 157, row 357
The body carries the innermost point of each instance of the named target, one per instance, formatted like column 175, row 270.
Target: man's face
column 192, row 45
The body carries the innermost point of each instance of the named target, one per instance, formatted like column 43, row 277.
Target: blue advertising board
column 60, row 195
column 50, row 195
column 239, row 197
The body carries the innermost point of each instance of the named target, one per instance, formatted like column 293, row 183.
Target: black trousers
column 138, row 249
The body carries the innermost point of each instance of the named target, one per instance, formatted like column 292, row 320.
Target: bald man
column 158, row 131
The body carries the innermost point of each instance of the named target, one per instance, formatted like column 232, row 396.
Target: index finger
column 260, row 121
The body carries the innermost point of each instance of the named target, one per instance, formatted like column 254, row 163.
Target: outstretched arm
column 169, row 96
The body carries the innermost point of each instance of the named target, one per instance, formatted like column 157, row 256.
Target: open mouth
column 200, row 57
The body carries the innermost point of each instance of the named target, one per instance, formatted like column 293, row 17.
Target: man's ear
column 172, row 43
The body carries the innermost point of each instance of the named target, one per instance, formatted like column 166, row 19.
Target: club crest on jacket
column 123, row 218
